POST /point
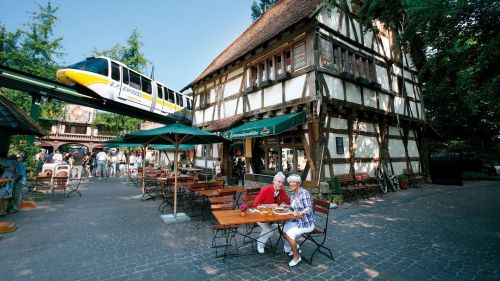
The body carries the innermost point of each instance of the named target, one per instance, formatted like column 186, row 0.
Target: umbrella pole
column 143, row 168
column 176, row 151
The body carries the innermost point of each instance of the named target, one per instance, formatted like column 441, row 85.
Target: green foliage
column 20, row 145
column 130, row 54
column 456, row 47
column 334, row 185
column 259, row 9
column 115, row 124
column 479, row 176
column 33, row 50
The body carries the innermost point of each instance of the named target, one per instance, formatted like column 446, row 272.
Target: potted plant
column 337, row 199
column 403, row 181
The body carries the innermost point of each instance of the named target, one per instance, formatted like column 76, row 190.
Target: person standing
column 57, row 158
column 271, row 194
column 77, row 164
column 14, row 203
column 101, row 164
column 301, row 204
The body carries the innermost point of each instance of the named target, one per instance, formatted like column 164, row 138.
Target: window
column 263, row 72
column 73, row 129
column 135, row 80
column 270, row 69
column 169, row 95
column 125, row 75
column 189, row 104
column 299, row 56
column 95, row 65
column 115, row 71
column 160, row 91
column 274, row 154
column 279, row 64
column 146, row 85
column 178, row 99
column 339, row 142
column 288, row 60
column 326, row 53
column 203, row 100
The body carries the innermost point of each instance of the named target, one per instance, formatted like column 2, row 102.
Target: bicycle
column 386, row 182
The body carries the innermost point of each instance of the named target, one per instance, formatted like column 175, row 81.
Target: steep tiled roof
column 283, row 14
column 223, row 124
column 13, row 120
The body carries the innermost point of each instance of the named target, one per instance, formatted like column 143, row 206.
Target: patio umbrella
column 175, row 134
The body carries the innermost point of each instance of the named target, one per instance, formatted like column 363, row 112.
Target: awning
column 266, row 127
column 14, row 121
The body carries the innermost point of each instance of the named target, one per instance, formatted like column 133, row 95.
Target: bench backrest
column 345, row 179
column 361, row 176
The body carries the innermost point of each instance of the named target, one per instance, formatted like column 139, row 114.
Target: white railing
column 77, row 137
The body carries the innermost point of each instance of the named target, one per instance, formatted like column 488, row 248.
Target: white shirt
column 101, row 156
column 57, row 158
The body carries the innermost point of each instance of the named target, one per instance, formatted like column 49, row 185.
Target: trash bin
column 445, row 168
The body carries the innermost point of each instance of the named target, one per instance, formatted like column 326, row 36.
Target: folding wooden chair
column 318, row 235
column 224, row 233
column 60, row 183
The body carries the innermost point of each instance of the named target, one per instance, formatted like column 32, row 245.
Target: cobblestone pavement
column 430, row 233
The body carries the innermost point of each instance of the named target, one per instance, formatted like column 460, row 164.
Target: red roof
column 283, row 14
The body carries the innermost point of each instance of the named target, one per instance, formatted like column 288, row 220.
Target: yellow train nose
column 62, row 76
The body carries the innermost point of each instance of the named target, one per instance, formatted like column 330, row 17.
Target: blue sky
column 180, row 37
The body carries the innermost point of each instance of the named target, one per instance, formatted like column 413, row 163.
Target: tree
column 456, row 47
column 259, row 9
column 33, row 50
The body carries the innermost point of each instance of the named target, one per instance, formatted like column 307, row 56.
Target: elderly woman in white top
column 300, row 202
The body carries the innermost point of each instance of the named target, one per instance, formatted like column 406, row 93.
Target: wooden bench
column 348, row 186
column 370, row 184
column 414, row 179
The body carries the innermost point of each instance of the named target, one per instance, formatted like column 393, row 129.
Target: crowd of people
column 102, row 164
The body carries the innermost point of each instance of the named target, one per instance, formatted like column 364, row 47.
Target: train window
column 135, row 80
column 146, row 85
column 115, row 71
column 96, row 65
column 125, row 75
column 179, row 99
column 160, row 93
column 170, row 96
column 189, row 104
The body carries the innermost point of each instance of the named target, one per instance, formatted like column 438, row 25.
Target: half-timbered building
column 311, row 91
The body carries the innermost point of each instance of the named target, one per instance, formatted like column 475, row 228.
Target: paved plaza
column 430, row 233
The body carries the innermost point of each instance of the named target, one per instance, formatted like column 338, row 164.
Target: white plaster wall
column 332, row 147
column 368, row 39
column 398, row 167
column 255, row 100
column 239, row 110
column 273, row 95
column 364, row 168
column 396, row 69
column 416, row 167
column 199, row 150
column 198, row 114
column 382, row 77
column 407, row 75
column 370, row 97
column 409, row 89
column 229, row 108
column 293, row 87
column 394, row 84
column 215, row 150
column 353, row 93
column 212, row 95
column 393, row 131
column 338, row 123
column 387, row 49
column 366, row 147
column 413, row 107
column 209, row 113
column 399, row 105
column 329, row 20
column 235, row 73
column 341, row 169
column 232, row 87
column 358, row 32
column 396, row 148
column 412, row 148
column 334, row 87
column 383, row 100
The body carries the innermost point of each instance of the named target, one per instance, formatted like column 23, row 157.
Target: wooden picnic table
column 5, row 180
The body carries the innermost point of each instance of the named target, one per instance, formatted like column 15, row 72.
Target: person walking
column 101, row 164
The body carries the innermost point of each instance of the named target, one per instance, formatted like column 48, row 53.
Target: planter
column 403, row 184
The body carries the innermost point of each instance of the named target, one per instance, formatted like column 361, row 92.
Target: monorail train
column 115, row 81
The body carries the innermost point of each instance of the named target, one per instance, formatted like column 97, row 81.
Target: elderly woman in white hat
column 300, row 202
